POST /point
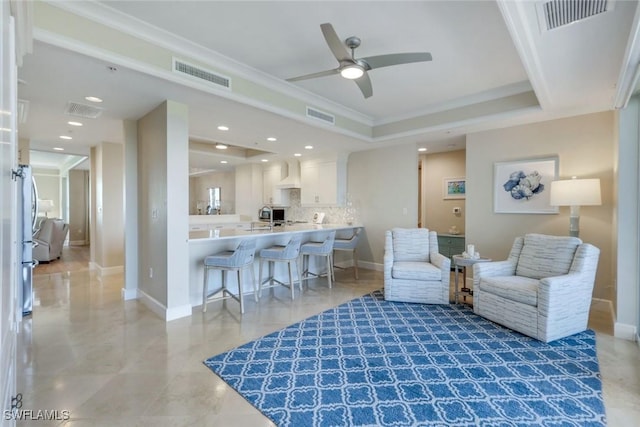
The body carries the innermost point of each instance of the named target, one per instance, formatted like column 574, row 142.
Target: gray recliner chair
column 50, row 239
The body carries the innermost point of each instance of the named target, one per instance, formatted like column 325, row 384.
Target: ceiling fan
column 356, row 69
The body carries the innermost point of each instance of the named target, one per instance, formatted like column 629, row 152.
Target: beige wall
column 585, row 147
column 48, row 183
column 163, row 225
column 78, row 207
column 109, row 241
column 199, row 186
column 383, row 184
column 437, row 212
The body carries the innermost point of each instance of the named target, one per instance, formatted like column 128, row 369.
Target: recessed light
column 298, row 155
column 58, row 148
column 272, row 139
column 223, row 127
column 65, row 137
column 221, row 147
column 224, row 162
column 264, row 160
column 422, row 149
column 93, row 99
column 308, row 147
column 75, row 123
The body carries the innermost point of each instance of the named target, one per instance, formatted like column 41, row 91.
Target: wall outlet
column 150, row 272
column 456, row 210
column 404, row 211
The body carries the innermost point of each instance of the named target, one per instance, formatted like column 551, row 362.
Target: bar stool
column 226, row 261
column 324, row 249
column 278, row 253
column 350, row 245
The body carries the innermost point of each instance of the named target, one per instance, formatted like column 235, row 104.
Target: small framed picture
column 454, row 188
column 523, row 186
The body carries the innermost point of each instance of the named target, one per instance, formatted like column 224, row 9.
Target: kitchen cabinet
column 323, row 183
column 271, row 195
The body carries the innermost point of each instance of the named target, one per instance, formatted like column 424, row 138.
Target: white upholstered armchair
column 542, row 290
column 414, row 270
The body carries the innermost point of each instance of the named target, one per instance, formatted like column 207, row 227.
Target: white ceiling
column 482, row 51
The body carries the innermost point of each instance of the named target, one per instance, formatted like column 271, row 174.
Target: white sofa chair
column 542, row 290
column 50, row 239
column 414, row 270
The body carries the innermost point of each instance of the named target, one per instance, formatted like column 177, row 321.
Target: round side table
column 460, row 261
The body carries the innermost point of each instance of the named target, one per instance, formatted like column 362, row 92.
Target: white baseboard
column 370, row 265
column 625, row 331
column 108, row 271
column 168, row 314
column 78, row 243
column 129, row 294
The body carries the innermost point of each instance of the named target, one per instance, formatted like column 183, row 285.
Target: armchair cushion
column 415, row 271
column 411, row 244
column 546, row 256
column 514, row 288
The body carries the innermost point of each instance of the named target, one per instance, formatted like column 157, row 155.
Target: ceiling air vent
column 321, row 115
column 82, row 110
column 557, row 13
column 200, row 74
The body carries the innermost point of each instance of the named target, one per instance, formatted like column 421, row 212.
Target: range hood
column 293, row 176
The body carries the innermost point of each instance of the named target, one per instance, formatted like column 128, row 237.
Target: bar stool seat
column 349, row 245
column 324, row 249
column 226, row 261
column 278, row 253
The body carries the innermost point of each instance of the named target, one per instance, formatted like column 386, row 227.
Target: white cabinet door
column 271, row 195
column 320, row 186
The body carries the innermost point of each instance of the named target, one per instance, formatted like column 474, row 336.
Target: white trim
column 78, row 243
column 625, row 332
column 168, row 314
column 368, row 265
column 107, row 271
column 129, row 294
column 630, row 69
column 93, row 265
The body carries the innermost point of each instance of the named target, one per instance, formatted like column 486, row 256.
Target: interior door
column 8, row 224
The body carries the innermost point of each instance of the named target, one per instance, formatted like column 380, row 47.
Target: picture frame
column 524, row 186
column 454, row 188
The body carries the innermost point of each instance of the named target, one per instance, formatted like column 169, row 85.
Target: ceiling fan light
column 352, row 72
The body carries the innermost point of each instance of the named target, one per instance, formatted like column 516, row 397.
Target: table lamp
column 575, row 193
column 45, row 206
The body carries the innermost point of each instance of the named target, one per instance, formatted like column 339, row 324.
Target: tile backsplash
column 333, row 214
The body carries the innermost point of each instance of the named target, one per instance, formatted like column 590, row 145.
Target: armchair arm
column 443, row 263
column 495, row 268
column 388, row 255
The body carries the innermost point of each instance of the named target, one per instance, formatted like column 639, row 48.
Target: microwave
column 266, row 213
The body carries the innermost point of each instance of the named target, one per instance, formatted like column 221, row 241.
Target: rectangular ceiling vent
column 558, row 13
column 82, row 110
column 321, row 115
column 200, row 74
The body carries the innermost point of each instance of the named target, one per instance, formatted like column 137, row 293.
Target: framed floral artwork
column 523, row 186
column 454, row 188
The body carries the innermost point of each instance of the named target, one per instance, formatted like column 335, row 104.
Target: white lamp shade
column 575, row 192
column 45, row 206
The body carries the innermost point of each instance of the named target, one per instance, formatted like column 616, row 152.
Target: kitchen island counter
column 262, row 229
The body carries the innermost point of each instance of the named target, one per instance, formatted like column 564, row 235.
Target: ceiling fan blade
column 380, row 61
column 314, row 75
column 364, row 83
column 335, row 44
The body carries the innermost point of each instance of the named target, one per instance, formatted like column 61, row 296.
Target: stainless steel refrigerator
column 27, row 214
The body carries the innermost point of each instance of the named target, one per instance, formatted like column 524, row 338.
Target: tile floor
column 114, row 363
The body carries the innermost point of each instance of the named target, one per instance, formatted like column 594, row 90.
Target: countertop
column 232, row 233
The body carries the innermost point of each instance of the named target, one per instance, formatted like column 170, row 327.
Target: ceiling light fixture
column 272, row 139
column 298, row 155
column 58, row 148
column 223, row 127
column 224, row 162
column 308, row 147
column 65, row 137
column 264, row 160
column 221, row 147
column 93, row 99
column 75, row 123
column 422, row 149
column 352, row 72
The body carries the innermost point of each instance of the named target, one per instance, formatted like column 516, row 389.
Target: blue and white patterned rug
column 370, row 362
